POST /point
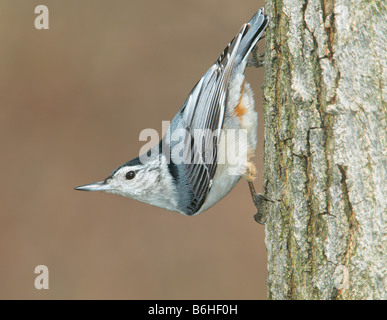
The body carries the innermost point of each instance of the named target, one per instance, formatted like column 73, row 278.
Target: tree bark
column 325, row 96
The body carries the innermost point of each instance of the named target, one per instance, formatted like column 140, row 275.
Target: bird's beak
column 97, row 186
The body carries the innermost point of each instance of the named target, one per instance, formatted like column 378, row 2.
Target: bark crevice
column 325, row 121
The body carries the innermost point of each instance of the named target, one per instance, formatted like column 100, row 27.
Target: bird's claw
column 256, row 59
column 258, row 200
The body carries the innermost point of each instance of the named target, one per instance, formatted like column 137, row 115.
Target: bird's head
column 144, row 180
column 134, row 179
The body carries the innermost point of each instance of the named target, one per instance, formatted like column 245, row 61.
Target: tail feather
column 256, row 26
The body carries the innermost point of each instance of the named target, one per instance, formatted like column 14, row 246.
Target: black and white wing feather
column 202, row 115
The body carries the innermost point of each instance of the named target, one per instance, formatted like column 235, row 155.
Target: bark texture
column 325, row 97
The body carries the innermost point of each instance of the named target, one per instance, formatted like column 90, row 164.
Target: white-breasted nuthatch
column 221, row 102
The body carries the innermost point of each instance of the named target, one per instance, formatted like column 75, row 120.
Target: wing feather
column 204, row 110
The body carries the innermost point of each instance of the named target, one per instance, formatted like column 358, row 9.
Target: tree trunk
column 325, row 96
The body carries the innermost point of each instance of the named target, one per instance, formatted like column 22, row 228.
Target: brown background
column 74, row 99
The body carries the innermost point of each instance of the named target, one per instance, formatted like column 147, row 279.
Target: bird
column 189, row 172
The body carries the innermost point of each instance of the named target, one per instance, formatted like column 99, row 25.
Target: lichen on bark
column 325, row 96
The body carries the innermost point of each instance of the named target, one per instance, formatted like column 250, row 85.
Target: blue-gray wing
column 201, row 119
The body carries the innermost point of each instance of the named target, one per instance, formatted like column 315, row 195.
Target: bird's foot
column 258, row 200
column 256, row 59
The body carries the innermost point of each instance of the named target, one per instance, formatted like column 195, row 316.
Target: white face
column 133, row 181
column 149, row 182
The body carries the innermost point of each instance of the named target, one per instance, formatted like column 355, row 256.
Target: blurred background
column 73, row 100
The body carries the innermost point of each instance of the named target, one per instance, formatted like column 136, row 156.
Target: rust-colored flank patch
column 240, row 108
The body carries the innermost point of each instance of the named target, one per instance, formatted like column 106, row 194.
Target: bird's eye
column 130, row 175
